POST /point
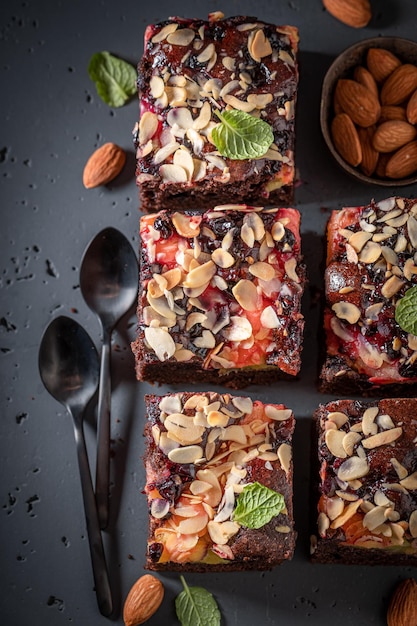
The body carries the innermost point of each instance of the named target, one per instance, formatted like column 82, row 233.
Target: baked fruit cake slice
column 193, row 71
column 219, row 296
column 371, row 265
column 218, row 482
column 367, row 509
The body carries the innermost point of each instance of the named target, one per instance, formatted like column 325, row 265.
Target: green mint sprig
column 195, row 606
column 257, row 505
column 241, row 136
column 406, row 311
column 115, row 79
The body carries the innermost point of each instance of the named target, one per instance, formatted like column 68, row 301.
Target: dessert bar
column 219, row 296
column 367, row 508
column 371, row 264
column 218, row 482
column 191, row 72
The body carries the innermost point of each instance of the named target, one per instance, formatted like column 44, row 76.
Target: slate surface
column 52, row 120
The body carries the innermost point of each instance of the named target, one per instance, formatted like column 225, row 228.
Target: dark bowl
column 342, row 67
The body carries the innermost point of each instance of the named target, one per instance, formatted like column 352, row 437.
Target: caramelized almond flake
column 334, row 441
column 348, row 512
column 279, row 415
column 382, row 438
column 358, row 239
column 185, row 454
column 246, row 294
column 222, row 258
column 259, row 45
column 410, row 482
column 338, row 418
column 181, row 37
column 164, row 32
column 391, row 286
column 347, row 311
column 285, row 456
column 354, row 467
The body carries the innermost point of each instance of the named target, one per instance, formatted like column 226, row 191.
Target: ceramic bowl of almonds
column 368, row 112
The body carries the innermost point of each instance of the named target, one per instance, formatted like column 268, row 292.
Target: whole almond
column 402, row 163
column 392, row 112
column 399, row 85
column 365, row 78
column 391, row 135
column 411, row 111
column 355, row 13
column 358, row 102
column 402, row 610
column 143, row 600
column 369, row 154
column 103, row 165
column 381, row 63
column 346, row 140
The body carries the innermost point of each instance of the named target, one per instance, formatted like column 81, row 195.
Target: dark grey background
column 52, row 120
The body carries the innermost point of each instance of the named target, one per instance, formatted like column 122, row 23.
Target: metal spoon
column 69, row 368
column 109, row 283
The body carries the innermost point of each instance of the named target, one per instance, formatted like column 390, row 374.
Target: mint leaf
column 115, row 79
column 241, row 136
column 257, row 505
column 406, row 311
column 195, row 606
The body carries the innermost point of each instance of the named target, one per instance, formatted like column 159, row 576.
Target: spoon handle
column 103, row 437
column 98, row 560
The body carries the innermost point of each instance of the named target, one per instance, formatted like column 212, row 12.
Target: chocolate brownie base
column 220, row 297
column 366, row 484
column 371, row 264
column 192, row 69
column 253, row 445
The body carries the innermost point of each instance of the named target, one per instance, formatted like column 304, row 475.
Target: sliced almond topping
column 246, row 294
column 323, row 523
column 385, row 421
column 172, row 277
column 222, row 258
column 236, row 103
column 412, row 230
column 410, row 482
column 193, row 525
column 161, row 342
column 221, row 532
column 216, row 418
column 260, row 100
column 285, row 455
column 181, row 355
column 370, row 252
column 247, row 235
column 383, row 438
column 347, row 311
column 369, row 426
column 338, row 418
column 334, row 442
column 269, row 318
column 259, row 45
column 200, row 276
column 349, row 441
column 148, row 125
column 239, row 330
column 290, row 267
column 206, row 54
column 354, row 467
column 334, row 507
column 348, row 512
column 184, row 159
column 170, row 404
column 229, row 63
column 389, row 255
column 164, row 32
column 183, row 428
column 181, row 37
column 277, row 231
column 412, row 524
column 171, row 173
column 204, row 117
column 359, row 239
column 262, row 270
column 186, row 454
column 374, row 518
column 391, row 286
column 373, row 311
column 276, row 414
column 255, row 222
column 206, row 340
column 180, row 117
column 163, row 153
column 243, row 403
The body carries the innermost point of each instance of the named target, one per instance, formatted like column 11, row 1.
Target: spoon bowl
column 109, row 279
column 69, row 369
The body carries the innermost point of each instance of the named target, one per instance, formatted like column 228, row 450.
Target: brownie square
column 371, row 263
column 219, row 297
column 204, row 451
column 192, row 68
column 367, row 508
